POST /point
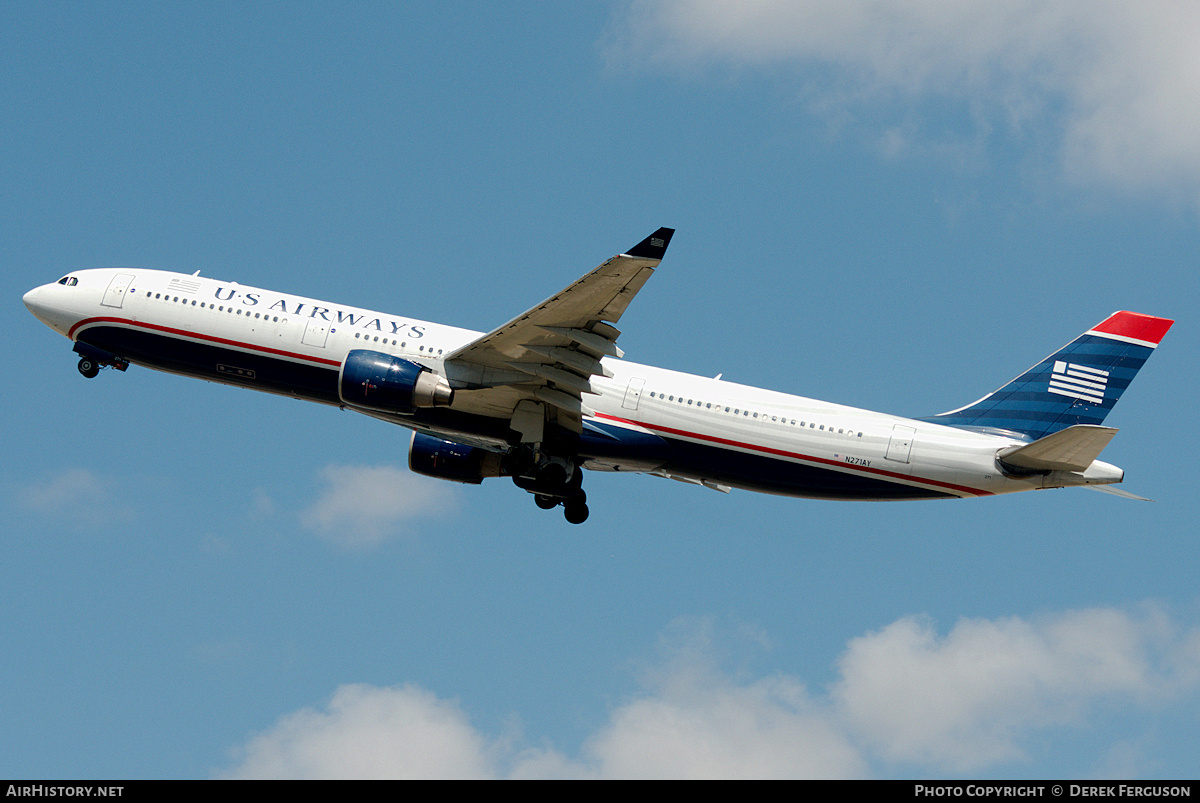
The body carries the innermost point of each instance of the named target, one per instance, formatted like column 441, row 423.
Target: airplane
column 547, row 395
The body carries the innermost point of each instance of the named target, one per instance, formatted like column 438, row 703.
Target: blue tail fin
column 1079, row 384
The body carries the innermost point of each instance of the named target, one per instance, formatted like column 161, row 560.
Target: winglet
column 654, row 246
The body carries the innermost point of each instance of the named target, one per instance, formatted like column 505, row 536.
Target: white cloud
column 694, row 720
column 362, row 506
column 72, row 486
column 1114, row 81
column 710, row 727
column 968, row 700
column 75, row 495
column 371, row 732
column 964, row 702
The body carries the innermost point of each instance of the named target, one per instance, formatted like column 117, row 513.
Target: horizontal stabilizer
column 1108, row 489
column 1070, row 449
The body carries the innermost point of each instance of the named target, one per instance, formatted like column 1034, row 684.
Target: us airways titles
column 399, row 328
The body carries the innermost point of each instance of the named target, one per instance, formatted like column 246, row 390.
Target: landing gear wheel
column 545, row 502
column 88, row 368
column 576, row 512
column 553, row 476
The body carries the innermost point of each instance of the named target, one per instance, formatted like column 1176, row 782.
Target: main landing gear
column 557, row 483
column 575, row 510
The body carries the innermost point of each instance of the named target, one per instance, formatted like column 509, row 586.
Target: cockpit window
column 69, row 281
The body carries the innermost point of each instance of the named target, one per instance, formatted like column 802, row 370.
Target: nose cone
column 30, row 300
column 39, row 302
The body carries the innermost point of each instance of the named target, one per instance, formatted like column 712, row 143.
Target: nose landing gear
column 89, row 367
column 92, row 359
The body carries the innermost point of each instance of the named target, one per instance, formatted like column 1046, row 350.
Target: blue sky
column 895, row 208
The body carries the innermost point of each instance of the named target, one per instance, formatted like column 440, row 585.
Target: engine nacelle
column 447, row 460
column 390, row 384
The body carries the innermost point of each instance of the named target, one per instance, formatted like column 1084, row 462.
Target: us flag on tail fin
column 1078, row 384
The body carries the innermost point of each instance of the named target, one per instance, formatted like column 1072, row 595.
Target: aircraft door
column 114, row 296
column 633, row 394
column 901, row 443
column 316, row 332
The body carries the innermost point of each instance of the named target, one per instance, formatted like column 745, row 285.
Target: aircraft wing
column 538, row 365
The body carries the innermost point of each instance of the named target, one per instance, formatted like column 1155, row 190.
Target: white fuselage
column 721, row 434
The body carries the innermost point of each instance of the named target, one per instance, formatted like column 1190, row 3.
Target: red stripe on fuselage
column 667, row 430
column 797, row 456
column 199, row 336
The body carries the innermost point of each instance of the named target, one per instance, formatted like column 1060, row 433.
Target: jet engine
column 376, row 381
column 447, row 460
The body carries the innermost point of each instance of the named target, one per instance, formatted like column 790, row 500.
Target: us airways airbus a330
column 547, row 394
